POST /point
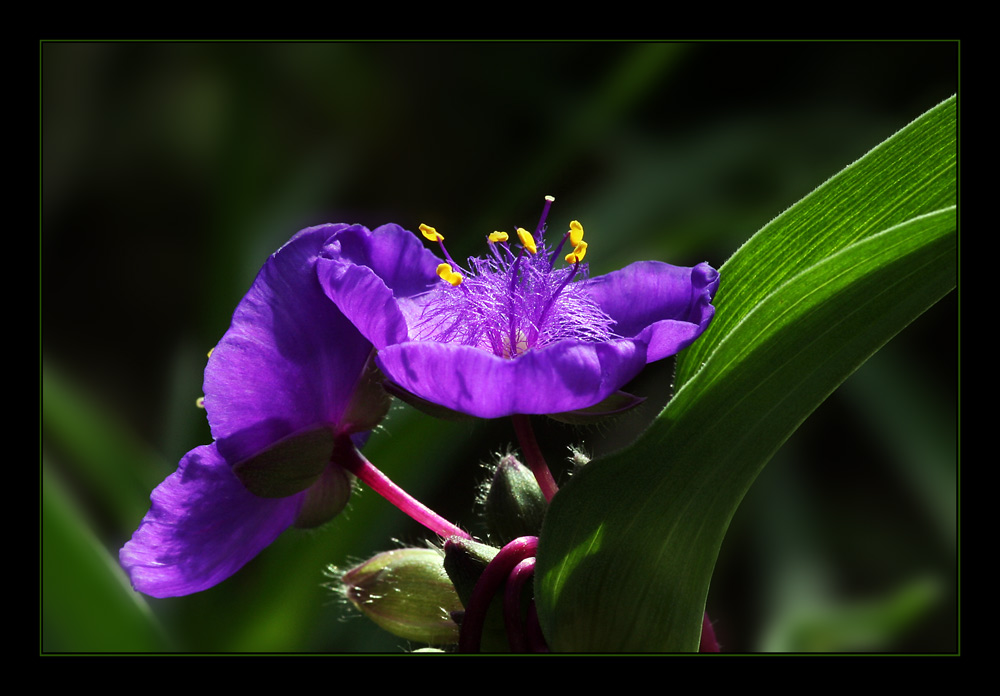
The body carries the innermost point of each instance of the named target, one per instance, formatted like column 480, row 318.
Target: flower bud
column 515, row 505
column 407, row 592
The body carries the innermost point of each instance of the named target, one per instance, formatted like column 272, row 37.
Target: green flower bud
column 407, row 592
column 515, row 505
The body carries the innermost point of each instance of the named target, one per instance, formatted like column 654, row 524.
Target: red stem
column 516, row 636
column 351, row 459
column 708, row 641
column 471, row 631
column 533, row 456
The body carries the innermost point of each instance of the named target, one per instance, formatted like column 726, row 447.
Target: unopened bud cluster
column 420, row 593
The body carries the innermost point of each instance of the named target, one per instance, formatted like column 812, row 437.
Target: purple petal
column 290, row 359
column 202, row 527
column 364, row 299
column 396, row 255
column 564, row 376
column 667, row 307
column 372, row 275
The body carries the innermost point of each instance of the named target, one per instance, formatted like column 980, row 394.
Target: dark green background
column 171, row 170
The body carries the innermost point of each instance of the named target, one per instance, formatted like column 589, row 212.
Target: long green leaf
column 628, row 546
column 87, row 603
column 911, row 173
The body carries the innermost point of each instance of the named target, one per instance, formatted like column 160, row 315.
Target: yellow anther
column 200, row 402
column 576, row 256
column 446, row 274
column 527, row 240
column 575, row 233
column 498, row 237
column 210, row 351
column 431, row 233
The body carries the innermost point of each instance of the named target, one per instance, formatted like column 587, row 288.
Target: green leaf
column 628, row 546
column 117, row 468
column 911, row 173
column 87, row 603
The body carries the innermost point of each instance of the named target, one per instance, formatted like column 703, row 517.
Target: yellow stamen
column 210, row 351
column 446, row 274
column 498, row 237
column 200, row 402
column 431, row 233
column 575, row 233
column 527, row 240
column 576, row 256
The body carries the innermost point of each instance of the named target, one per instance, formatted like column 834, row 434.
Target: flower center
column 515, row 299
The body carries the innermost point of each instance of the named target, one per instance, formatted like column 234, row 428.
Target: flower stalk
column 499, row 569
column 522, row 573
column 533, row 456
column 355, row 462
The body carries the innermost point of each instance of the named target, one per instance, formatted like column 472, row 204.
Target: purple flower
column 289, row 377
column 521, row 331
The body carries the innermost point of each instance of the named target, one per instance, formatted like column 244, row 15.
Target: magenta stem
column 536, row 641
column 708, row 641
column 533, row 456
column 352, row 460
column 471, row 633
column 516, row 636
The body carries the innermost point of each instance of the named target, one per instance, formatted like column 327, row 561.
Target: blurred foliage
column 171, row 170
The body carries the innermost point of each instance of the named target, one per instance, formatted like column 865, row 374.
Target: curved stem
column 533, row 456
column 471, row 632
column 348, row 456
column 516, row 636
column 536, row 641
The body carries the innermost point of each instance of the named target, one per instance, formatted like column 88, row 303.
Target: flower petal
column 396, row 255
column 290, row 359
column 667, row 307
column 371, row 276
column 202, row 527
column 364, row 299
column 564, row 376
